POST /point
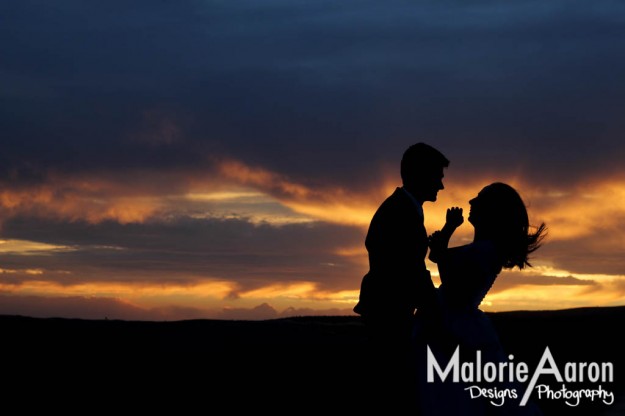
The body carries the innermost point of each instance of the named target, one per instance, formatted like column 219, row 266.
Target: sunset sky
column 223, row 159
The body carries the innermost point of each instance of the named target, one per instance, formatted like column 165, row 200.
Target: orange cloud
column 570, row 213
column 591, row 210
column 581, row 209
column 338, row 205
column 325, row 203
column 203, row 293
column 91, row 200
column 262, row 178
column 301, row 291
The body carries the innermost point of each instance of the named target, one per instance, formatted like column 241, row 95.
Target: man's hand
column 437, row 241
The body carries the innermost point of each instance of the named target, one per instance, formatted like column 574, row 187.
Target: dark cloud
column 72, row 307
column 186, row 249
column 321, row 90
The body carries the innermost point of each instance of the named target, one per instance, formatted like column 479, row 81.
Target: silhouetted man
column 398, row 282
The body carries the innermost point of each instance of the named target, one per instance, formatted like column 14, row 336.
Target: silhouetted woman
column 502, row 240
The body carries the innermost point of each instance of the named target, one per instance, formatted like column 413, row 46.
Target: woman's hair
column 505, row 218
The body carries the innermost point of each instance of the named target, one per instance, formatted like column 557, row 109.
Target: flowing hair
column 508, row 224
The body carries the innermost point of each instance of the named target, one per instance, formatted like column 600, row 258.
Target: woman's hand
column 454, row 217
column 439, row 240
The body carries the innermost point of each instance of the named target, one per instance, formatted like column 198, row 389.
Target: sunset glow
column 224, row 166
column 262, row 198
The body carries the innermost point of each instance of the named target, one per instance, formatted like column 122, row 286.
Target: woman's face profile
column 479, row 206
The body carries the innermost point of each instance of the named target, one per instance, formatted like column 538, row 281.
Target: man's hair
column 420, row 159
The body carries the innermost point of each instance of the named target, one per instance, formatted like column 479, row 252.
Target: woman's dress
column 467, row 273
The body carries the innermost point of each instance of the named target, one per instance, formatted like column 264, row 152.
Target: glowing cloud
column 67, row 198
column 329, row 204
column 263, row 200
column 26, row 248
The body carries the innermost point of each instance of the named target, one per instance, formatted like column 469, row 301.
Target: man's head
column 422, row 171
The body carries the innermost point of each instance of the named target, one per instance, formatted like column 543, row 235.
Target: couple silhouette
column 405, row 314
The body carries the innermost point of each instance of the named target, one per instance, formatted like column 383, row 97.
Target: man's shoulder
column 397, row 201
column 397, row 208
column 398, row 197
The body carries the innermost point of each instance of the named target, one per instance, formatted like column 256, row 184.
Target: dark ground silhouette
column 286, row 366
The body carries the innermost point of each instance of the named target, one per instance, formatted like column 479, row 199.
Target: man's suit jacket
column 397, row 281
